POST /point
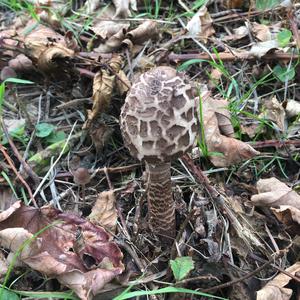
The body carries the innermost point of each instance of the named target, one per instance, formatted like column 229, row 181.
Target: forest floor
column 74, row 219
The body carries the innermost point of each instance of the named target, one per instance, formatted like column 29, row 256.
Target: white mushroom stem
column 161, row 205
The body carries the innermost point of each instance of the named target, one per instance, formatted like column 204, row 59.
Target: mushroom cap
column 159, row 117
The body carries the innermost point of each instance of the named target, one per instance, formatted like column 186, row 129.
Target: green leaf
column 44, row 129
column 17, row 80
column 55, row 137
column 266, row 4
column 284, row 37
column 8, row 295
column 166, row 290
column 181, row 266
column 283, row 73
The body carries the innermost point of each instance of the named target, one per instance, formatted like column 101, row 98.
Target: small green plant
column 181, row 267
column 18, row 133
column 284, row 37
column 266, row 4
column 49, row 133
column 284, row 73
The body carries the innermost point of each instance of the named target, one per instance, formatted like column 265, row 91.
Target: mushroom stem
column 160, row 200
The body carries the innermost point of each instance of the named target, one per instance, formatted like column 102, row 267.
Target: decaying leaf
column 21, row 63
column 261, row 32
column 7, row 72
column 104, row 211
column 275, row 112
column 122, row 8
column 224, row 151
column 78, row 253
column 238, row 33
column 284, row 201
column 273, row 192
column 275, row 289
column 262, row 48
column 3, row 266
column 292, row 108
column 143, row 32
column 201, row 24
column 113, row 43
column 106, row 29
column 104, row 83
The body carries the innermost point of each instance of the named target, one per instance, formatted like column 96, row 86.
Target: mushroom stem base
column 160, row 200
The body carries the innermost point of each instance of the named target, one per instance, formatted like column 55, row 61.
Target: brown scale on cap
column 159, row 124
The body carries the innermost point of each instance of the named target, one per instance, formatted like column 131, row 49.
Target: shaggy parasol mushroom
column 159, row 124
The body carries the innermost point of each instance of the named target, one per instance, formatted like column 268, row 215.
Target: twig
column 18, row 175
column 179, row 234
column 235, row 281
column 227, row 56
column 274, row 143
column 26, row 167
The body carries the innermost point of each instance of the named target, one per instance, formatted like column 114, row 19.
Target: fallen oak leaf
column 228, row 150
column 272, row 192
column 143, row 32
column 47, row 240
column 104, row 212
column 201, row 24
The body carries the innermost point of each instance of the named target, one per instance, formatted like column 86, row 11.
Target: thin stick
column 26, row 167
column 18, row 175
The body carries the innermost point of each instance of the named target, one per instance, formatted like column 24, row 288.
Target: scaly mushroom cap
column 158, row 119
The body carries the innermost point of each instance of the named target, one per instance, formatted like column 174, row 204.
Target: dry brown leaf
column 122, row 8
column 21, row 63
column 99, row 133
column 286, row 214
column 233, row 3
column 201, row 24
column 275, row 112
column 104, row 83
column 261, row 32
column 275, row 289
column 78, row 253
column 3, row 266
column 52, row 57
column 238, row 33
column 91, row 6
column 262, row 48
column 107, row 28
column 228, row 151
column 292, row 108
column 273, row 192
column 113, row 43
column 223, row 116
column 7, row 72
column 145, row 31
column 104, row 211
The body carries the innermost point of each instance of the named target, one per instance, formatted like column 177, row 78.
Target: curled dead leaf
column 104, row 211
column 52, row 57
column 261, row 31
column 201, row 24
column 275, row 289
column 274, row 111
column 224, row 151
column 113, row 43
column 273, row 192
column 292, row 108
column 58, row 244
column 21, row 63
column 122, row 8
column 145, row 31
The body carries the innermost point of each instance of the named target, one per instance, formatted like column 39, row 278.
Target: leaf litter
column 237, row 201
